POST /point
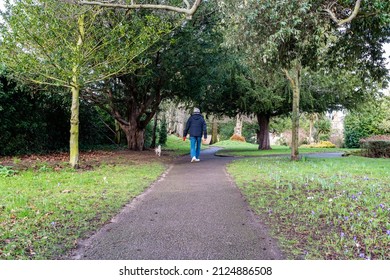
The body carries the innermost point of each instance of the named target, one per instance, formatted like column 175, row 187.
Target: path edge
column 83, row 243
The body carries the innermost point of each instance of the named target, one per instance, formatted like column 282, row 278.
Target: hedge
column 376, row 146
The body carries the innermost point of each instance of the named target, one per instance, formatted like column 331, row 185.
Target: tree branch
column 187, row 4
column 292, row 82
column 188, row 11
column 340, row 22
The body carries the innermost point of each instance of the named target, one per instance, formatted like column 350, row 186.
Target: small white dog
column 158, row 150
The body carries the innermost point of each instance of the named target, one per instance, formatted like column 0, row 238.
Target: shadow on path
column 194, row 211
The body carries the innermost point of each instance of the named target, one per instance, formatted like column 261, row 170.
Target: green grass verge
column 321, row 208
column 43, row 213
column 235, row 148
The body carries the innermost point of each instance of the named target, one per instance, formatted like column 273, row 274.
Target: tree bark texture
column 340, row 22
column 263, row 132
column 75, row 89
column 135, row 134
column 74, row 129
column 189, row 11
column 214, row 131
column 311, row 138
column 238, row 127
column 154, row 134
column 118, row 133
column 294, row 80
column 295, row 125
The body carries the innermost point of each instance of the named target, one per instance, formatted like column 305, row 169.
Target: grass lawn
column 43, row 212
column 235, row 148
column 335, row 208
column 46, row 207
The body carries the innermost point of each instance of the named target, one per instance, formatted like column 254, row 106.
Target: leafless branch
column 189, row 11
column 187, row 4
column 346, row 20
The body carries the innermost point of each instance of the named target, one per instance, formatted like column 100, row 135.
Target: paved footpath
column 194, row 212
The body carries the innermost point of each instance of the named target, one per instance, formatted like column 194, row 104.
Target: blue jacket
column 196, row 126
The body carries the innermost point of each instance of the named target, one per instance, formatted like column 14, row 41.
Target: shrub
column 321, row 144
column 237, row 138
column 163, row 132
column 38, row 123
column 249, row 132
column 148, row 135
column 225, row 130
column 337, row 139
column 362, row 124
column 376, row 146
column 323, row 129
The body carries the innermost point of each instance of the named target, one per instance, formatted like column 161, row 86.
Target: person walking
column 196, row 127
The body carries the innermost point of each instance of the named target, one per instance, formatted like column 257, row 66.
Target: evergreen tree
column 163, row 132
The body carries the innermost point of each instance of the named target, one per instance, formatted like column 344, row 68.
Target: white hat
column 196, row 111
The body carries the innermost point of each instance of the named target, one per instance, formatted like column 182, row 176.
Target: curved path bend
column 194, row 212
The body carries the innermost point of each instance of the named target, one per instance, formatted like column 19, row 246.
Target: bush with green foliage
column 96, row 128
column 376, row 146
column 225, row 130
column 39, row 122
column 321, row 144
column 362, row 124
column 280, row 124
column 163, row 132
column 323, row 129
column 249, row 131
column 148, row 135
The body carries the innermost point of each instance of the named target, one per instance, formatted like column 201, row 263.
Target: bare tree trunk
column 154, row 135
column 75, row 109
column 263, row 132
column 135, row 133
column 295, row 125
column 295, row 85
column 118, row 133
column 311, row 138
column 214, row 131
column 74, row 129
column 188, row 11
column 180, row 122
column 135, row 137
column 238, row 128
column 312, row 118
